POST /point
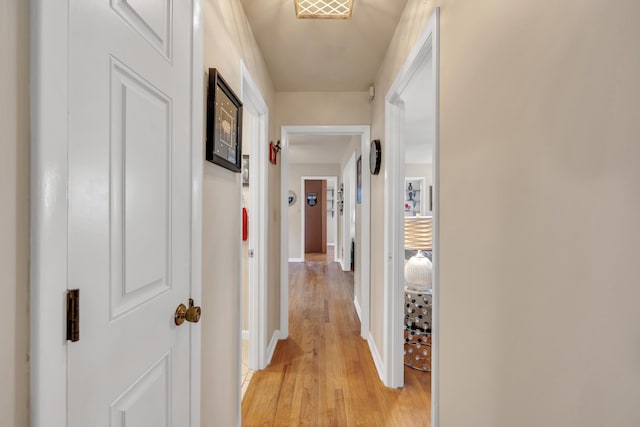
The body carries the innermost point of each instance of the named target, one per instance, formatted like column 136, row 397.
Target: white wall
column 539, row 289
column 296, row 172
column 228, row 39
column 14, row 212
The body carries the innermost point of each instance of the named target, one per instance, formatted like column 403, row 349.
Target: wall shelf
column 330, row 200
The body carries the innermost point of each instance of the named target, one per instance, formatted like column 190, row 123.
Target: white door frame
column 254, row 103
column 304, row 178
column 348, row 204
column 365, row 217
column 425, row 48
column 49, row 213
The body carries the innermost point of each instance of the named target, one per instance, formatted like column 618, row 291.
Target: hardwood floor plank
column 323, row 374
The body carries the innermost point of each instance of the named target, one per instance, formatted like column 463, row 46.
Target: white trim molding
column 272, row 346
column 356, row 305
column 424, row 50
column 49, row 171
column 349, row 205
column 255, row 105
column 375, row 354
column 197, row 136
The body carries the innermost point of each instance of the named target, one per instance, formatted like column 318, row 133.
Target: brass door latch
column 191, row 314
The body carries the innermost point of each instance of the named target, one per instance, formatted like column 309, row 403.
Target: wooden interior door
column 130, row 212
column 315, row 216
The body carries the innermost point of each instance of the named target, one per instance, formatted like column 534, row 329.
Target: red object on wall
column 273, row 153
column 245, row 225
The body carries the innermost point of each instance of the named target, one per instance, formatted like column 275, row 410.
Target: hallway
column 323, row 374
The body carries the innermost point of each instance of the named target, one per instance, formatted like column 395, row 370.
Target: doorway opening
column 319, row 223
column 315, row 216
column 411, row 193
column 361, row 276
column 254, row 196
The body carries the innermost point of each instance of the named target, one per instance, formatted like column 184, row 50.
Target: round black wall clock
column 375, row 157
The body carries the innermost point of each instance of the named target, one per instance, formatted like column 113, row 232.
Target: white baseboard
column 272, row 346
column 377, row 360
column 296, row 259
column 245, row 335
column 356, row 304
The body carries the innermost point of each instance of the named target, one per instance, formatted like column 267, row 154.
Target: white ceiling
column 338, row 55
column 318, row 148
column 323, row 54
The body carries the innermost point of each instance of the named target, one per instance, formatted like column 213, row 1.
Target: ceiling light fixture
column 323, row 9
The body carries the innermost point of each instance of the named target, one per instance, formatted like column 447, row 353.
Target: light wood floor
column 323, row 374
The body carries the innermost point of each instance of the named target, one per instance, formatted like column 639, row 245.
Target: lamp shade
column 418, row 233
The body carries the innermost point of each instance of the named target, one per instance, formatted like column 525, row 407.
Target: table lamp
column 418, row 235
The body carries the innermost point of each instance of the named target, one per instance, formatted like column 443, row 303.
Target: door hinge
column 251, row 253
column 73, row 315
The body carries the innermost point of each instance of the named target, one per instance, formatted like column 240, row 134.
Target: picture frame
column 224, row 124
column 245, row 170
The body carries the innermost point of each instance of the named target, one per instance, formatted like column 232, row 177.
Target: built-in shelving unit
column 414, row 196
column 330, row 201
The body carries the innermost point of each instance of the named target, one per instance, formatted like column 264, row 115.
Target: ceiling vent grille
column 323, row 9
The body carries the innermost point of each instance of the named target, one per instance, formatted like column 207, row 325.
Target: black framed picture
column 224, row 124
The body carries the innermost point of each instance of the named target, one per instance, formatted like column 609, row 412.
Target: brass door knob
column 181, row 314
column 191, row 314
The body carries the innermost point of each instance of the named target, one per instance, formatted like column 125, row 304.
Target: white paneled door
column 130, row 211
